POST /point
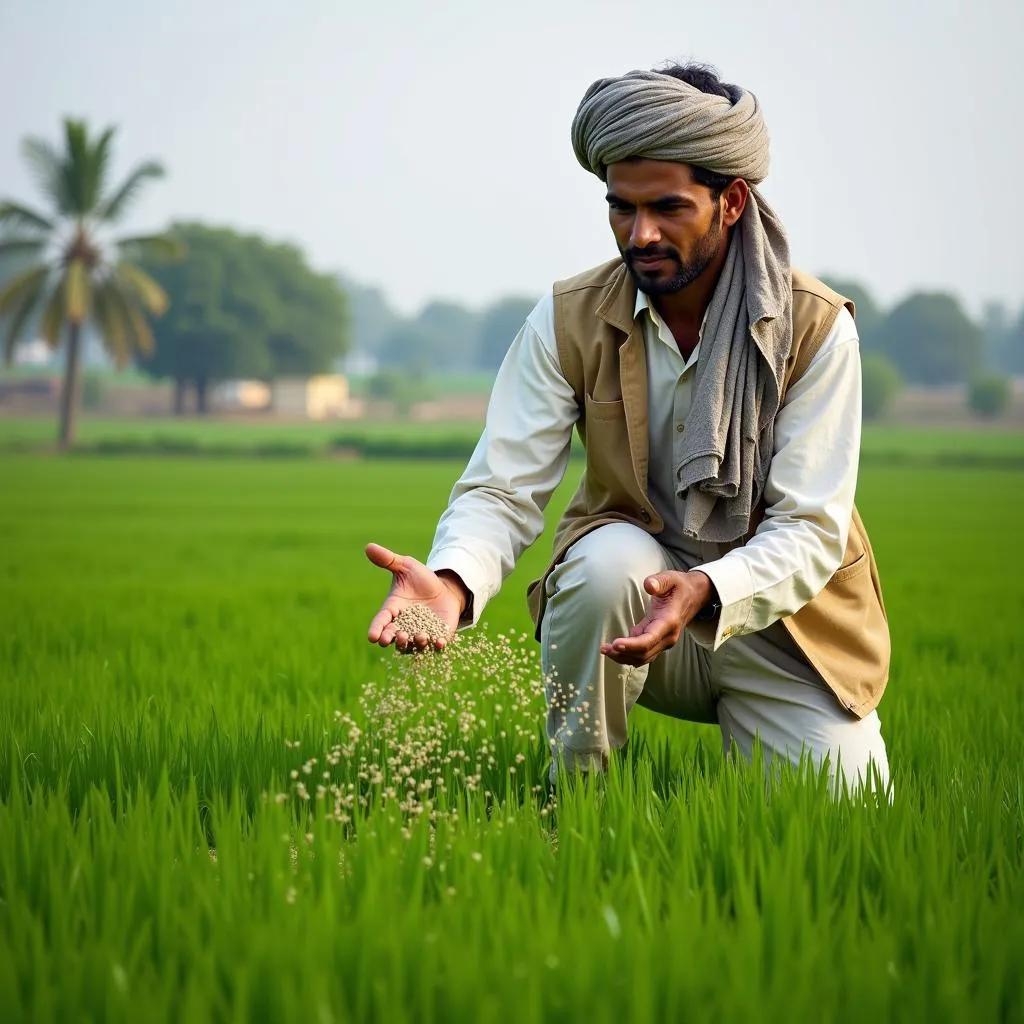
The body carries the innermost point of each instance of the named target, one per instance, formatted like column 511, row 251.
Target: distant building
column 250, row 395
column 33, row 353
column 317, row 398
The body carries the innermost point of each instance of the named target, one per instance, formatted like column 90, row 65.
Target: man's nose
column 645, row 231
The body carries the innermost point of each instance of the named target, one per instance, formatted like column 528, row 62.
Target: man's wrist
column 710, row 605
column 453, row 582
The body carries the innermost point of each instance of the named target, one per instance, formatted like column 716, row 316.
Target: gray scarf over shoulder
column 728, row 443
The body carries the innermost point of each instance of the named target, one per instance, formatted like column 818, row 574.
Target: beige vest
column 842, row 631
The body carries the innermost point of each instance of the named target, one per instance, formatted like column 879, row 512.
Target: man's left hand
column 676, row 597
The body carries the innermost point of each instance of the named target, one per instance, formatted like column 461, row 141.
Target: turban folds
column 658, row 117
column 748, row 333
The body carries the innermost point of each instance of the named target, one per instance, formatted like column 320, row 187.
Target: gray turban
column 648, row 114
column 749, row 328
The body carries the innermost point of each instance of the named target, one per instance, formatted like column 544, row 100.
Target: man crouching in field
column 712, row 565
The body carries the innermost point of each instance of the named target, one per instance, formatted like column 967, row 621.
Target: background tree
column 402, row 390
column 442, row 337
column 989, row 395
column 931, row 339
column 243, row 307
column 1012, row 361
column 869, row 314
column 371, row 318
column 407, row 349
column 880, row 384
column 499, row 325
column 69, row 275
column 996, row 326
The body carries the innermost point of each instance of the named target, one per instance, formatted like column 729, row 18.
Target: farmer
column 711, row 565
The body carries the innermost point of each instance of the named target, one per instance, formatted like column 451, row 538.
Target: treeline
column 240, row 306
column 928, row 337
column 442, row 337
column 931, row 340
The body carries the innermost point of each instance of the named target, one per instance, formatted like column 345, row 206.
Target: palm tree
column 70, row 272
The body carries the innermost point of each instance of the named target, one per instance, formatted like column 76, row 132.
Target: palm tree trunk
column 201, row 395
column 179, row 396
column 70, row 388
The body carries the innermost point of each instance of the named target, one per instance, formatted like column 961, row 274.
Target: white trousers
column 758, row 685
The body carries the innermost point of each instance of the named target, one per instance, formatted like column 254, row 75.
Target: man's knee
column 608, row 566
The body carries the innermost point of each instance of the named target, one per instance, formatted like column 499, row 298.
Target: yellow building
column 316, row 398
column 247, row 395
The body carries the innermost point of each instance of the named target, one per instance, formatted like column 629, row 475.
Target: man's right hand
column 413, row 583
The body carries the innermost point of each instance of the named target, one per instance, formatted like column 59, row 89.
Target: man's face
column 667, row 227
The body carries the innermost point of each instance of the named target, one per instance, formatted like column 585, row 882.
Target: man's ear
column 734, row 201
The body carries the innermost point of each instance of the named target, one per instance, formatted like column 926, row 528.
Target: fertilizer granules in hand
column 418, row 618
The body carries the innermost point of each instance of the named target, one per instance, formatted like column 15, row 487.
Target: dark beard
column 704, row 252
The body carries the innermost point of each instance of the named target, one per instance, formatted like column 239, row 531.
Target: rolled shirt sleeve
column 496, row 509
column 809, row 494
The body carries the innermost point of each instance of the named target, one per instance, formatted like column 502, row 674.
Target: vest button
column 680, row 428
column 645, row 515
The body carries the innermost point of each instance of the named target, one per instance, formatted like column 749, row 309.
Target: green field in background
column 990, row 442
column 172, row 626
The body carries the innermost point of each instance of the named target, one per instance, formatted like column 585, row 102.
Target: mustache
column 651, row 252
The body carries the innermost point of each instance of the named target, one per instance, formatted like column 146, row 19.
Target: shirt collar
column 661, row 328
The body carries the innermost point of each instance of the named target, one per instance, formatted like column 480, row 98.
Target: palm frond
column 111, row 322
column 158, row 248
column 75, row 169
column 30, row 283
column 54, row 314
column 143, row 332
column 124, row 304
column 21, row 218
column 47, row 167
column 142, row 287
column 113, row 208
column 79, row 291
column 97, row 164
column 22, row 310
column 27, row 248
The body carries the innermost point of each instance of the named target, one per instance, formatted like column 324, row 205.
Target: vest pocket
column 609, row 463
column 605, row 410
column 855, row 568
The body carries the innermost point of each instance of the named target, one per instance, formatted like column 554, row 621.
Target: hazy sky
column 424, row 147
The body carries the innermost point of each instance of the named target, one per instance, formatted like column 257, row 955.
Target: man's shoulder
column 596, row 277
column 807, row 285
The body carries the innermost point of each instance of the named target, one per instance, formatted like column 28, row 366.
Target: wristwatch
column 709, row 612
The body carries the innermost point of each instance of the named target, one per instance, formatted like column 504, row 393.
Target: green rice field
column 219, row 802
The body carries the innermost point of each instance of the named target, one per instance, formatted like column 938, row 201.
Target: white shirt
column 496, row 509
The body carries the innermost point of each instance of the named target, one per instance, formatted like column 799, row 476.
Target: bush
column 402, row 390
column 880, row 382
column 989, row 395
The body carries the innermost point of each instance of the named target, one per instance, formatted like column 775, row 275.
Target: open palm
column 412, row 583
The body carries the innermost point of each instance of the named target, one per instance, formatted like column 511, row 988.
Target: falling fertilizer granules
column 442, row 726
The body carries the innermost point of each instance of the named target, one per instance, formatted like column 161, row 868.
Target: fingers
column 384, row 557
column 641, row 647
column 633, row 650
column 412, row 644
column 660, row 583
column 404, row 643
column 380, row 621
